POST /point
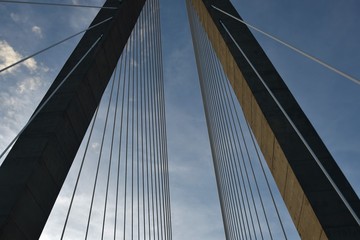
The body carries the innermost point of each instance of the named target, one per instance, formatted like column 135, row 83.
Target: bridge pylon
column 33, row 172
column 319, row 198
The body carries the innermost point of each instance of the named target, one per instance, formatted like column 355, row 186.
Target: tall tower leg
column 319, row 198
column 35, row 168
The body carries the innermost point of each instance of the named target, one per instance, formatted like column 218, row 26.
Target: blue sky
column 326, row 29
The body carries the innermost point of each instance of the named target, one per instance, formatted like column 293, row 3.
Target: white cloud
column 17, row 102
column 38, row 31
column 21, row 88
column 31, row 64
column 8, row 56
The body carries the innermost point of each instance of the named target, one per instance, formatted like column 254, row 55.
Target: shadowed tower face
column 35, row 168
column 121, row 52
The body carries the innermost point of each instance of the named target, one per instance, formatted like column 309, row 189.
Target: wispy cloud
column 15, row 17
column 8, row 56
column 20, row 88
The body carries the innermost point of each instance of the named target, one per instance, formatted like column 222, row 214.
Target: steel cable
column 228, row 155
column 135, row 184
column 221, row 180
column 99, row 159
column 58, row 4
column 211, row 137
column 240, row 207
column 295, row 49
column 54, row 45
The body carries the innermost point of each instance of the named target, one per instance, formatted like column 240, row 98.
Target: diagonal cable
column 54, row 45
column 48, row 99
column 58, row 4
column 341, row 195
column 315, row 59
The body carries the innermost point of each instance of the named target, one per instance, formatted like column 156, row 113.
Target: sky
column 325, row 29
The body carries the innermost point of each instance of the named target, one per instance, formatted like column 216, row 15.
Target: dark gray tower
column 319, row 198
column 35, row 169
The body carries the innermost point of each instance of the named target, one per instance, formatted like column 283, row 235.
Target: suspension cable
column 249, row 160
column 219, row 153
column 49, row 98
column 317, row 60
column 110, row 152
column 54, row 45
column 120, row 135
column 236, row 188
column 130, row 192
column 79, row 173
column 58, row 4
column 211, row 137
column 225, row 156
column 142, row 122
column 238, row 147
column 356, row 218
column 138, row 89
column 100, row 158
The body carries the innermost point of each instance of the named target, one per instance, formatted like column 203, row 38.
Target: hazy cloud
column 19, row 18
column 37, row 30
column 15, row 17
column 95, row 146
column 82, row 18
column 31, row 84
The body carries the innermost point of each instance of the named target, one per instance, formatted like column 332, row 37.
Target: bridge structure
column 121, row 52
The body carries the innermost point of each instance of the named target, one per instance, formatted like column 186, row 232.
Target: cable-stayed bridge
column 129, row 195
